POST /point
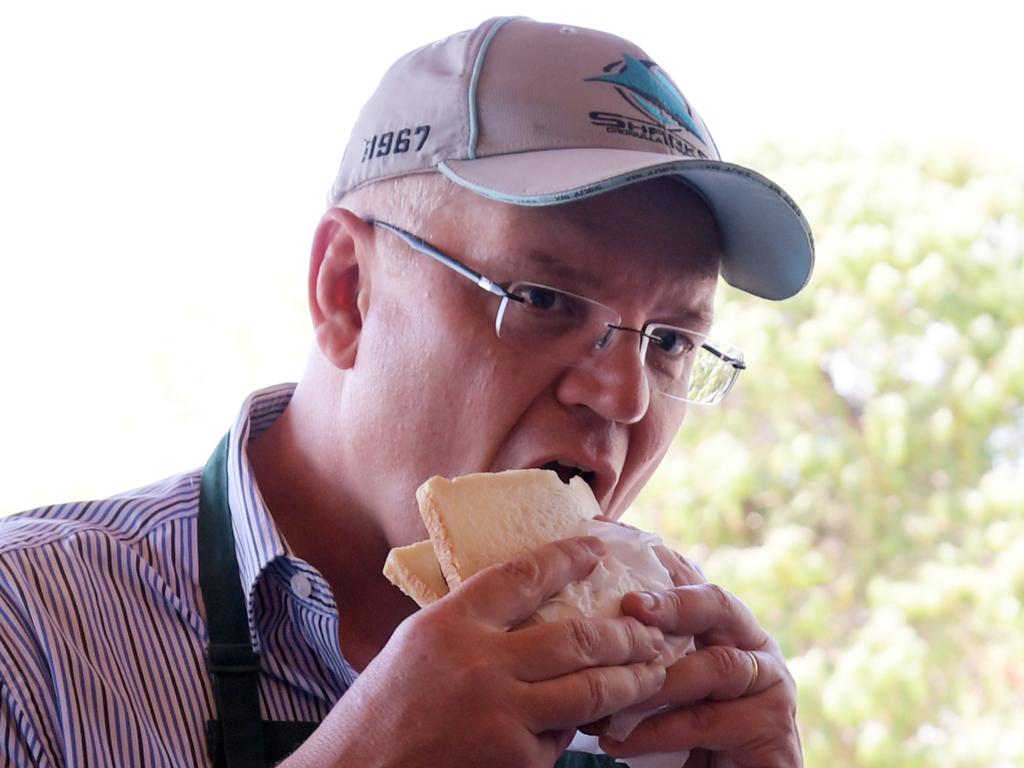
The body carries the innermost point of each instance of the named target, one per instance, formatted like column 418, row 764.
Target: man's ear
column 339, row 286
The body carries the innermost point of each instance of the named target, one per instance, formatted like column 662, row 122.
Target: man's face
column 446, row 396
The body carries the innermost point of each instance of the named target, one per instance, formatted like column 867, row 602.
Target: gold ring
column 753, row 673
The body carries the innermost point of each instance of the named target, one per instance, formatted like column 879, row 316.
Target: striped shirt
column 103, row 629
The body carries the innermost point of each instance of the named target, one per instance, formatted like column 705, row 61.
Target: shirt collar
column 258, row 542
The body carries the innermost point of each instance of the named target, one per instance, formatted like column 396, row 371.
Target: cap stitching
column 475, row 77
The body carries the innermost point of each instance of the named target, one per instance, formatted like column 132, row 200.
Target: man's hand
column 733, row 701
column 454, row 686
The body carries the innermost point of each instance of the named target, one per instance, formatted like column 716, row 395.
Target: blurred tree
column 862, row 488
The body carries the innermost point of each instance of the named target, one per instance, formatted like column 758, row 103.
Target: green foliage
column 862, row 489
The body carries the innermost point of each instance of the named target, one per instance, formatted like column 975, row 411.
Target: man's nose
column 612, row 382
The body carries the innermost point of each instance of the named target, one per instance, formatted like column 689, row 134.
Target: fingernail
column 594, row 544
column 648, row 600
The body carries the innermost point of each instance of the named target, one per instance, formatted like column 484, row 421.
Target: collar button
column 301, row 585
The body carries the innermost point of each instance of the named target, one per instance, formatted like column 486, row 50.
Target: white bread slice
column 414, row 570
column 478, row 520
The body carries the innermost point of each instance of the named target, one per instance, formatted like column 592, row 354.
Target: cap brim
column 768, row 249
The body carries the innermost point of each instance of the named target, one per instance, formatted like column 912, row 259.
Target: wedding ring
column 753, row 673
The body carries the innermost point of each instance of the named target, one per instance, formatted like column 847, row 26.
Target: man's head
column 410, row 362
column 421, row 368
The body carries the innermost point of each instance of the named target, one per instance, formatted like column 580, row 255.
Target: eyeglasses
column 573, row 330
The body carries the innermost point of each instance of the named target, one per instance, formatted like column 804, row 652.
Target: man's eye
column 540, row 298
column 673, row 342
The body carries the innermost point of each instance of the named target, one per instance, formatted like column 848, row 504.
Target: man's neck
column 326, row 527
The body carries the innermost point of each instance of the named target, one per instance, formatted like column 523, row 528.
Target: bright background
column 162, row 169
column 163, row 166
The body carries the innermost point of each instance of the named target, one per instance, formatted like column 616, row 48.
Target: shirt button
column 301, row 586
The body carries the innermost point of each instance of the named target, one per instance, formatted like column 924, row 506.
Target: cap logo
column 648, row 90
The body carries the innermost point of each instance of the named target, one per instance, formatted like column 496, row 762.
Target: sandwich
column 479, row 520
column 482, row 519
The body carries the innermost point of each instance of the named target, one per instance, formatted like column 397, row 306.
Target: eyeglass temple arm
column 426, row 248
column 733, row 361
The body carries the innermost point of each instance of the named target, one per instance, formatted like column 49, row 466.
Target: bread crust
column 478, row 520
column 414, row 570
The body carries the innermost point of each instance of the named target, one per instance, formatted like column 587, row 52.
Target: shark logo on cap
column 645, row 87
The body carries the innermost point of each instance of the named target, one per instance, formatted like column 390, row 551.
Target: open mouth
column 567, row 472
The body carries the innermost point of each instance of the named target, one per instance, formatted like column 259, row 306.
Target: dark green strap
column 233, row 667
column 585, row 760
column 239, row 738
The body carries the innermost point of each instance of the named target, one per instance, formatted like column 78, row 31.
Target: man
column 517, row 270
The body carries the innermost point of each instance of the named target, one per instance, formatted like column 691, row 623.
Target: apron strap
column 586, row 760
column 233, row 667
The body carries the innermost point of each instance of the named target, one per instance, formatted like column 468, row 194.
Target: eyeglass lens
column 572, row 329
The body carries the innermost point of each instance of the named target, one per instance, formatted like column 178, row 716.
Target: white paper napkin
column 630, row 565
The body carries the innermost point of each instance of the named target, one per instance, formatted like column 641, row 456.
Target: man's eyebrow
column 690, row 319
column 560, row 270
column 569, row 277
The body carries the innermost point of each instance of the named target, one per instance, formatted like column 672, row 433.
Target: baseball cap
column 537, row 114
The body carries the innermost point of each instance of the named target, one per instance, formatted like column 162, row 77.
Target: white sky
column 162, row 167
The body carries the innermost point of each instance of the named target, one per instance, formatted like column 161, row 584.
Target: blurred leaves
column 862, row 489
